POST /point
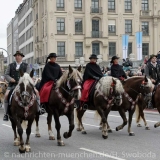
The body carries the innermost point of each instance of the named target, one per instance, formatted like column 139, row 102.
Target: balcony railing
column 60, row 8
column 145, row 12
column 111, row 10
column 61, row 32
column 96, row 10
column 128, row 10
column 78, row 8
column 96, row 34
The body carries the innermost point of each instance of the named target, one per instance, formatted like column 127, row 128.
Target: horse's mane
column 75, row 75
column 149, row 84
column 26, row 79
column 104, row 85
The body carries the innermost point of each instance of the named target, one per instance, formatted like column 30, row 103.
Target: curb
column 151, row 111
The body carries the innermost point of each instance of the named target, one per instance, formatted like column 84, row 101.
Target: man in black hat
column 116, row 69
column 52, row 71
column 91, row 74
column 12, row 76
column 152, row 71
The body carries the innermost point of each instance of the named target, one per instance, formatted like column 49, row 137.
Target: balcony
column 96, row 34
column 145, row 12
column 96, row 10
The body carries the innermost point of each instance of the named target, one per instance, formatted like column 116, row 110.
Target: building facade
column 76, row 28
column 25, row 30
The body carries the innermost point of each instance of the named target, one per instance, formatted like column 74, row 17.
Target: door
column 95, row 48
column 95, row 28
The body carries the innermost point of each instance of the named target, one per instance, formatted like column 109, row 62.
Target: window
column 145, row 49
column 112, row 49
column 79, row 49
column 60, row 5
column 95, row 7
column 145, row 28
column 129, row 48
column 111, row 27
column 111, row 5
column 95, row 48
column 128, row 26
column 61, row 49
column 78, row 5
column 60, row 26
column 144, row 5
column 78, row 26
column 128, row 5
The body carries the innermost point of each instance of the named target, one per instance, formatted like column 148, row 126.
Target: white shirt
column 18, row 65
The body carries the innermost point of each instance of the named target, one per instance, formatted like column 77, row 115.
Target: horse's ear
column 145, row 79
column 21, row 73
column 70, row 69
column 32, row 73
column 79, row 68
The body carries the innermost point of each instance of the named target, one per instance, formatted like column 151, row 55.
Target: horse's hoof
column 131, row 134
column 147, row 128
column 84, row 132
column 16, row 142
column 155, row 126
column 22, row 150
column 51, row 138
column 105, row 137
column 28, row 149
column 139, row 125
column 37, row 135
column 61, row 143
column 65, row 135
column 110, row 131
column 79, row 129
column 117, row 129
column 100, row 128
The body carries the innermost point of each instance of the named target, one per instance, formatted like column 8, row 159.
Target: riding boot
column 5, row 118
column 39, row 108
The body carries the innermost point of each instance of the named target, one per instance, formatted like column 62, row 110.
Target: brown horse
column 135, row 88
column 107, row 93
column 61, row 102
column 23, row 107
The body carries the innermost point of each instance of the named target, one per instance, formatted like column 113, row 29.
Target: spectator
column 145, row 59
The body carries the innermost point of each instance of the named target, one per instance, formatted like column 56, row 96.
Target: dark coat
column 51, row 72
column 117, row 71
column 92, row 70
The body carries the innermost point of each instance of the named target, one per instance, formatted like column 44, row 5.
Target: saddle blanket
column 45, row 91
column 86, row 89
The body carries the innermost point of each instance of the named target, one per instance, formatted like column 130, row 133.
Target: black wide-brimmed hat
column 113, row 58
column 52, row 55
column 151, row 56
column 93, row 56
column 18, row 52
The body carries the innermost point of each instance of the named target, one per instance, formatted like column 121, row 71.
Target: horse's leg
column 106, row 115
column 145, row 122
column 158, row 108
column 130, row 122
column 123, row 115
column 50, row 132
column 58, row 126
column 22, row 148
column 104, row 123
column 71, row 125
column 80, row 114
column 37, row 126
column 16, row 140
column 28, row 132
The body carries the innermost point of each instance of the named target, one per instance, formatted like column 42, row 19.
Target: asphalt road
column 145, row 145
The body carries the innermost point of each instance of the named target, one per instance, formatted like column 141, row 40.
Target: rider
column 52, row 71
column 92, row 73
column 116, row 69
column 152, row 71
column 12, row 75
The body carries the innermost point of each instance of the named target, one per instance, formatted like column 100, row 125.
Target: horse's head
column 26, row 87
column 117, row 90
column 146, row 89
column 72, row 80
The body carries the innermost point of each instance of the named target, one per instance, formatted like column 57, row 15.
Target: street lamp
column 80, row 61
column 7, row 54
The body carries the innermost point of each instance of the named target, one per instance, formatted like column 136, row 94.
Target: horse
column 108, row 91
column 135, row 88
column 61, row 102
column 23, row 107
column 3, row 88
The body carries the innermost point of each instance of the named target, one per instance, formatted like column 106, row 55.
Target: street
column 119, row 146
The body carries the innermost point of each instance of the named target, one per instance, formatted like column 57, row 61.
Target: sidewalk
column 151, row 111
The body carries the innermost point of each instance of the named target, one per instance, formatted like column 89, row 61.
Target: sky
column 7, row 12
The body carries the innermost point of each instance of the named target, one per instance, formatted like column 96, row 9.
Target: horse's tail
column 24, row 124
column 137, row 112
column 97, row 117
column 75, row 115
